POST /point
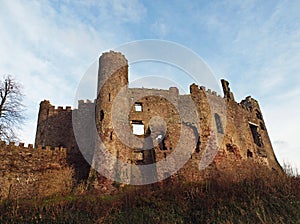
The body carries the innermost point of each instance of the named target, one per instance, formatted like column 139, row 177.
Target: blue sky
column 48, row 46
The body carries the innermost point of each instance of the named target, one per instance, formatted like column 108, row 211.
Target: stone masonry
column 221, row 132
column 139, row 127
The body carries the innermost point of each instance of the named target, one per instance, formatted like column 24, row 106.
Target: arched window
column 219, row 124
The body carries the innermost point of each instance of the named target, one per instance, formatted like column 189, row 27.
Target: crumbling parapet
column 226, row 90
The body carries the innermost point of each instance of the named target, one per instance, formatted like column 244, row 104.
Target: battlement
column 21, row 147
column 87, row 101
column 47, row 109
column 172, row 91
column 194, row 89
column 53, row 110
column 14, row 144
column 83, row 104
column 60, row 109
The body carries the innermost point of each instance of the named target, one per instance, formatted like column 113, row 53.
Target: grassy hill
column 265, row 198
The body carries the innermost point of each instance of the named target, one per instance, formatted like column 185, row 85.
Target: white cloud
column 48, row 47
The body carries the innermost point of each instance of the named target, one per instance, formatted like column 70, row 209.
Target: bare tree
column 11, row 108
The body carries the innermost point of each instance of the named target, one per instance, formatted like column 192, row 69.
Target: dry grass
column 56, row 182
column 263, row 197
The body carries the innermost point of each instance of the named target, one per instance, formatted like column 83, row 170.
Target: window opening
column 219, row 124
column 138, row 107
column 258, row 114
column 249, row 154
column 101, row 115
column 256, row 136
column 262, row 127
column 138, row 128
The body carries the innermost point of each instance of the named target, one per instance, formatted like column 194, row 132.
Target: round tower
column 112, row 83
column 113, row 67
column 112, row 77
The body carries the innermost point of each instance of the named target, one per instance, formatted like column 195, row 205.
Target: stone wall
column 55, row 129
column 224, row 133
column 27, row 172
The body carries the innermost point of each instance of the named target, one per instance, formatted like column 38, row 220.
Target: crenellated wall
column 55, row 129
column 27, row 172
column 54, row 126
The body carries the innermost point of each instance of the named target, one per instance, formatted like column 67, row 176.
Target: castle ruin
column 145, row 126
column 126, row 129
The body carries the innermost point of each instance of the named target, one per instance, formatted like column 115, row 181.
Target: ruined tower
column 55, row 130
column 54, row 126
column 112, row 79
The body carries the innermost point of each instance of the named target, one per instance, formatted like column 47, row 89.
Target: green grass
column 257, row 200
